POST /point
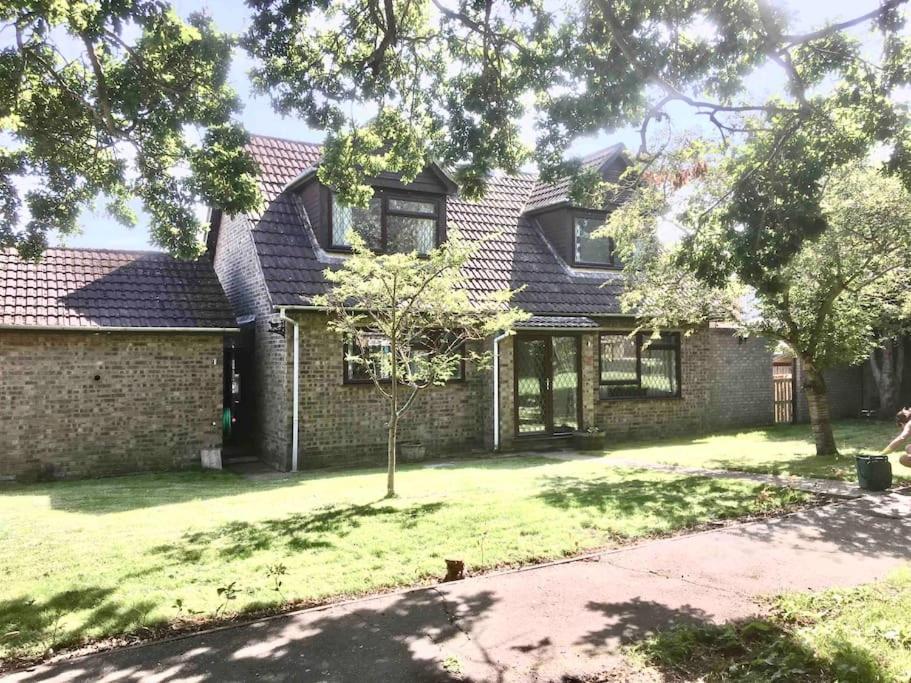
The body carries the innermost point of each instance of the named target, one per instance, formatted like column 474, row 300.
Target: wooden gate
column 783, row 394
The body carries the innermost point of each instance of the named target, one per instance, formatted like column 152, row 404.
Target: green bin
column 874, row 472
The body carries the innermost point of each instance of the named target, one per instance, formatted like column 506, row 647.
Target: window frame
column 660, row 345
column 590, row 213
column 459, row 378
column 438, row 216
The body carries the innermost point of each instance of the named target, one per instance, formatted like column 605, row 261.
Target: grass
column 783, row 449
column 860, row 635
column 90, row 559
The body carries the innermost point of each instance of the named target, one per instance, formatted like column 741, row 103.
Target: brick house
column 571, row 366
column 110, row 362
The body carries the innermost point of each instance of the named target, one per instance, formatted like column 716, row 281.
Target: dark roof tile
column 516, row 256
column 96, row 288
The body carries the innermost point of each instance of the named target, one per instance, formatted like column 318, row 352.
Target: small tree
column 408, row 321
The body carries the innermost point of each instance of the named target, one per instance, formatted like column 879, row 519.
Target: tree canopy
column 453, row 81
column 120, row 99
column 126, row 99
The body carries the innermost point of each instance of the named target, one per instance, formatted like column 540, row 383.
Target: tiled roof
column 98, row 288
column 551, row 194
column 517, row 257
column 557, row 322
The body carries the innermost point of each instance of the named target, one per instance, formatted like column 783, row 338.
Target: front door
column 546, row 384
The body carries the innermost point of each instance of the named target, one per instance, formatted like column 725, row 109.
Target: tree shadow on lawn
column 672, row 499
column 28, row 622
column 109, row 495
column 296, row 532
column 410, row 638
column 850, row 435
column 754, row 650
column 124, row 493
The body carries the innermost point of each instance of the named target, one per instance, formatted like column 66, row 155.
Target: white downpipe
column 496, row 389
column 295, row 391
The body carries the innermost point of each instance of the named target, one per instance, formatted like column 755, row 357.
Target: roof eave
column 118, row 328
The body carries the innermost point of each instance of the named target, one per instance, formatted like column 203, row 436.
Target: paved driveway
column 538, row 624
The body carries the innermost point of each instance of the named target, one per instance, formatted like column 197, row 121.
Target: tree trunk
column 886, row 363
column 393, row 422
column 390, row 466
column 818, row 402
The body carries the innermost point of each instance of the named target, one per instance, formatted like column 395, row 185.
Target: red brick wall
column 345, row 423
column 155, row 404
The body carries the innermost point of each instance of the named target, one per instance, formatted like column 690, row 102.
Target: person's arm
column 898, row 440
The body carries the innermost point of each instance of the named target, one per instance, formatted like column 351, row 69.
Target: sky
column 258, row 116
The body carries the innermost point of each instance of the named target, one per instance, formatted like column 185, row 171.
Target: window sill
column 369, row 382
column 610, row 399
column 349, row 250
column 599, row 266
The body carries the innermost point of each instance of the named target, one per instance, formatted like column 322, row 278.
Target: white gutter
column 121, row 328
column 301, row 308
column 295, row 392
column 496, row 389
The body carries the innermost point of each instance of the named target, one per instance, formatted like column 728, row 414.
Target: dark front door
column 546, row 384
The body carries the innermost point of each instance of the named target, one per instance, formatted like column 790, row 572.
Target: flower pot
column 588, row 441
column 874, row 472
column 411, row 451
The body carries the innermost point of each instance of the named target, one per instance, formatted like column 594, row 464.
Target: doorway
column 547, row 387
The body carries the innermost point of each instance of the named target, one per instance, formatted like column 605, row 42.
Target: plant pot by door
column 588, row 441
column 874, row 472
column 411, row 451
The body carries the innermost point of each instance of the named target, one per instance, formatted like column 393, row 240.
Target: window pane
column 591, row 249
column 565, row 384
column 618, row 359
column 365, row 221
column 659, row 371
column 412, row 207
column 369, row 351
column 618, row 367
column 410, row 234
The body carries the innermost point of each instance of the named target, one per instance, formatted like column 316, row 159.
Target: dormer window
column 590, row 250
column 391, row 223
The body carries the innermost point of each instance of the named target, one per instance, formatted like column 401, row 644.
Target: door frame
column 548, row 407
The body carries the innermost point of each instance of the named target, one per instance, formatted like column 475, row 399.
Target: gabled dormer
column 569, row 227
column 400, row 218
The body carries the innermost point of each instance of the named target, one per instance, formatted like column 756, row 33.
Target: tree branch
column 798, row 38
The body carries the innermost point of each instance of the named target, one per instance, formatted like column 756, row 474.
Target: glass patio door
column 546, row 384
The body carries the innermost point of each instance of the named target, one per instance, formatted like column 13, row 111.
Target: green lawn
column 83, row 560
column 783, row 449
column 861, row 635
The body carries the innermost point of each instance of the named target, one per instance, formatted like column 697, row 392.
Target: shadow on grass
column 139, row 491
column 47, row 624
column 754, row 651
column 148, row 490
column 676, row 500
column 412, row 638
column 297, row 532
column 849, row 434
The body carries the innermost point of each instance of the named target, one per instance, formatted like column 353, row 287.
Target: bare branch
column 798, row 38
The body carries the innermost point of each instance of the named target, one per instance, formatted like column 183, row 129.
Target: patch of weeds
column 276, row 573
column 858, row 635
column 227, row 594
